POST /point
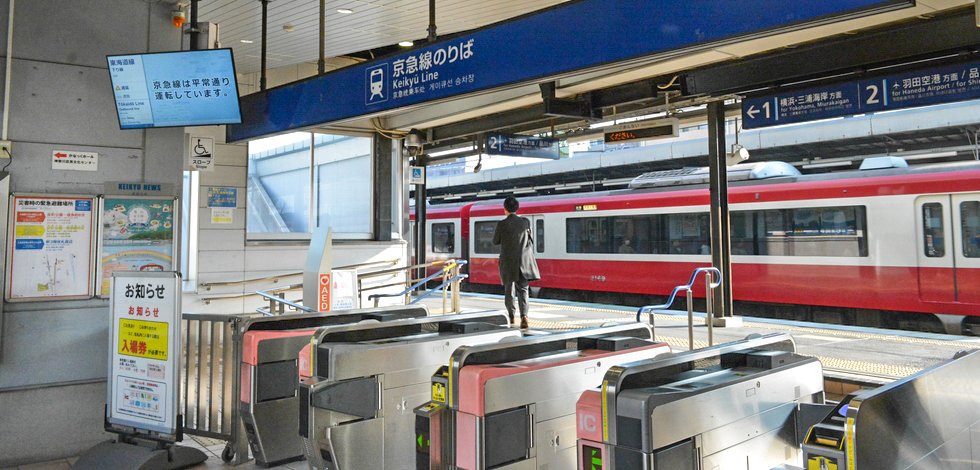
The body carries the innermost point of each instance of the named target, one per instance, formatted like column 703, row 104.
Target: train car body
column 897, row 240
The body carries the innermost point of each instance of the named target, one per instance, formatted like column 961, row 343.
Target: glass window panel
column 343, row 166
column 484, row 238
column 970, row 226
column 443, row 238
column 539, row 235
column 279, row 184
column 933, row 230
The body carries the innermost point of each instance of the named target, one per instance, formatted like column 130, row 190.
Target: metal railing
column 210, row 379
column 709, row 273
column 450, row 281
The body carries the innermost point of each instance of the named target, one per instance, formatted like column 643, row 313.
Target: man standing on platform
column 517, row 264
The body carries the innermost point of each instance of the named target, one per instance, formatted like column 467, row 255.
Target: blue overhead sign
column 576, row 36
column 921, row 87
column 514, row 145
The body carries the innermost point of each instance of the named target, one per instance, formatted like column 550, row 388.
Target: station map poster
column 138, row 234
column 50, row 246
column 144, row 351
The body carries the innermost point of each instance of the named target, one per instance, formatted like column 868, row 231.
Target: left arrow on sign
column 751, row 112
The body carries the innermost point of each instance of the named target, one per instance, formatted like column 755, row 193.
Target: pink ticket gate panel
column 511, row 405
column 356, row 406
column 269, row 376
column 725, row 407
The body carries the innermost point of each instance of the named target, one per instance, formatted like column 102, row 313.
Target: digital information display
column 168, row 89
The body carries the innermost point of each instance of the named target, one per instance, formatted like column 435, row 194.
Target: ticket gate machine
column 726, row 407
column 928, row 420
column 356, row 408
column 269, row 376
column 511, row 405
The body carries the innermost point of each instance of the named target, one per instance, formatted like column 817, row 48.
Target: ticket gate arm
column 637, row 374
column 317, row 319
column 530, row 347
column 513, row 403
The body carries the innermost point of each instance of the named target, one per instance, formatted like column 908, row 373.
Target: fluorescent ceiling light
column 406, row 44
column 246, row 41
column 345, row 11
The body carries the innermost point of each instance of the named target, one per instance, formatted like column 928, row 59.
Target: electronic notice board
column 168, row 89
column 50, row 247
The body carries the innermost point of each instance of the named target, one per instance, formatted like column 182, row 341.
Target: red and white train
column 885, row 247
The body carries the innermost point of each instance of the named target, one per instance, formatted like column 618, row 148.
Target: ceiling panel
column 374, row 23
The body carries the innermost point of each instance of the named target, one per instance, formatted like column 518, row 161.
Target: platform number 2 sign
column 200, row 153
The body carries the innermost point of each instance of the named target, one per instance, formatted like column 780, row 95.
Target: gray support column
column 721, row 251
column 420, row 198
column 265, row 30
column 383, row 191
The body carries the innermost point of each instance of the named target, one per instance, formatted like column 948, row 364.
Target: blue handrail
column 713, row 271
column 425, row 280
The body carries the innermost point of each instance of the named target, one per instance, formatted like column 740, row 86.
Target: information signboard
column 138, row 234
column 497, row 55
column 50, row 244
column 515, row 145
column 144, row 351
column 910, row 89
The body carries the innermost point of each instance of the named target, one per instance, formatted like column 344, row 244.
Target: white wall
column 54, row 354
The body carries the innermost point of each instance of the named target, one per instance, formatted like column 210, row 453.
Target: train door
column 966, row 259
column 937, row 279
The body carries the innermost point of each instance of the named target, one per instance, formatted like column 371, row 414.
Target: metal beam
column 854, row 54
column 721, row 256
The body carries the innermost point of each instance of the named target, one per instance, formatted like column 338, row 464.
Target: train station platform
column 853, row 354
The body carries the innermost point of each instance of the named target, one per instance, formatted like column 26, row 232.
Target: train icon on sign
column 377, row 88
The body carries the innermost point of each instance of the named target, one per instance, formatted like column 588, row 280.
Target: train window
column 933, row 230
column 643, row 234
column 484, row 238
column 444, row 238
column 689, row 234
column 539, row 235
column 970, row 225
column 809, row 231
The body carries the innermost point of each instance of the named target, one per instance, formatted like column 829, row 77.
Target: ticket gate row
column 511, row 405
column 726, row 407
column 363, row 382
column 929, row 420
column 269, row 375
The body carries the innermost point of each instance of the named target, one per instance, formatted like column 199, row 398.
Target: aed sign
column 144, row 351
column 323, row 299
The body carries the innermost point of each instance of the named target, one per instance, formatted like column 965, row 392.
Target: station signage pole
column 720, row 228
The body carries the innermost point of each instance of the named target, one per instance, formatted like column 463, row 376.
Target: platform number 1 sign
column 200, row 154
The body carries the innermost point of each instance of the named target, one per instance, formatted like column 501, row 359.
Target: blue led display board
column 514, row 145
column 167, row 89
column 910, row 89
column 572, row 37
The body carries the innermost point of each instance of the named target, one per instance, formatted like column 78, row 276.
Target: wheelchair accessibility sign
column 200, row 154
column 377, row 89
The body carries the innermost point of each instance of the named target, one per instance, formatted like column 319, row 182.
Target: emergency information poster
column 50, row 244
column 138, row 234
column 145, row 350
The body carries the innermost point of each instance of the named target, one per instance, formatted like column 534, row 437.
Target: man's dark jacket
column 513, row 234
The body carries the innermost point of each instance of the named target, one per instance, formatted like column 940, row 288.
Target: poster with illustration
column 138, row 234
column 50, row 240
